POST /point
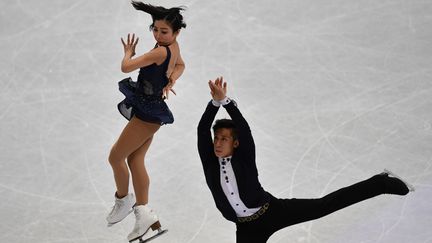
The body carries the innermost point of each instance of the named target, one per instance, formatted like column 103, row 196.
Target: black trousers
column 285, row 212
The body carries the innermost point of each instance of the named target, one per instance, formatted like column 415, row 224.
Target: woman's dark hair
column 172, row 16
column 226, row 123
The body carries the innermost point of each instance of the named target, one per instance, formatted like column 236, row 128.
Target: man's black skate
column 396, row 185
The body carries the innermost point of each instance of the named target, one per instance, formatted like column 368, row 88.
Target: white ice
column 334, row 91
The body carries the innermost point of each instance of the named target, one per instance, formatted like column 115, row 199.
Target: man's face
column 224, row 142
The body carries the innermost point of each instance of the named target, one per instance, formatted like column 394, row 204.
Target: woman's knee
column 114, row 156
column 134, row 157
column 130, row 160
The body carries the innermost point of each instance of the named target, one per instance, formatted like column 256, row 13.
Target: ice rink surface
column 334, row 91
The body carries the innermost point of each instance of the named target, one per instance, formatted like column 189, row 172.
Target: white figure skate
column 146, row 219
column 122, row 208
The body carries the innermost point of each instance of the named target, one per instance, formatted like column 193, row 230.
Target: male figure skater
column 231, row 174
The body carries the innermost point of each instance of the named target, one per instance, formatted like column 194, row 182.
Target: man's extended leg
column 286, row 212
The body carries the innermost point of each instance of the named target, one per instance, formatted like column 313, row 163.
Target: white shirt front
column 229, row 187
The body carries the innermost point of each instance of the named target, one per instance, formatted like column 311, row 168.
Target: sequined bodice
column 152, row 79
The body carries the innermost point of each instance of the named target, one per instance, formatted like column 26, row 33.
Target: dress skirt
column 149, row 108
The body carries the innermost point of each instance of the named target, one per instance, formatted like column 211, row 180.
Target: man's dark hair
column 171, row 15
column 226, row 123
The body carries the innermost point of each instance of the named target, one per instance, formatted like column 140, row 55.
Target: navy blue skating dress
column 144, row 97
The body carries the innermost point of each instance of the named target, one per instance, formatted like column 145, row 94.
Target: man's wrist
column 215, row 103
column 224, row 101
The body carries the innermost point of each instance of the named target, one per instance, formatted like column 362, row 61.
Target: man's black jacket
column 243, row 162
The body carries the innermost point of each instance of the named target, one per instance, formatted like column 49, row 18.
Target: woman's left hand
column 167, row 89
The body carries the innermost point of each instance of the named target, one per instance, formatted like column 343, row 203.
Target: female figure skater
column 146, row 111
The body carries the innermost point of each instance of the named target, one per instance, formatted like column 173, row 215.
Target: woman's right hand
column 129, row 46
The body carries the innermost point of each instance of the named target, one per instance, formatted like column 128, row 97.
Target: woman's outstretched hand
column 129, row 46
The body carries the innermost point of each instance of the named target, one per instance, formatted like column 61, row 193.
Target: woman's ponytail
column 172, row 15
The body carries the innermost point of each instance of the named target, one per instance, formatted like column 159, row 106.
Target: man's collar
column 224, row 160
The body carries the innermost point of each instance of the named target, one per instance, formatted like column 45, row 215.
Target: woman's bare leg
column 140, row 178
column 133, row 136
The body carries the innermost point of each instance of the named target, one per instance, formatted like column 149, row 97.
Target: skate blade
column 411, row 188
column 140, row 237
column 159, row 233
